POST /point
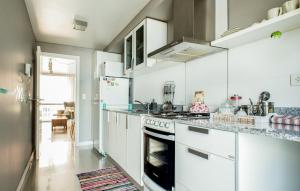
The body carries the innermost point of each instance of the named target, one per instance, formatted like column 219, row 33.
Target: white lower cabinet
column 124, row 143
column 199, row 171
column 134, row 148
column 121, row 139
column 105, row 132
column 112, row 141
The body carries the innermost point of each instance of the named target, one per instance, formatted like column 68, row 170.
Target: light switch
column 83, row 96
column 295, row 79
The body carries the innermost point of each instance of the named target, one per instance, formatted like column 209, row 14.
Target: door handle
column 35, row 99
column 198, row 153
column 198, row 130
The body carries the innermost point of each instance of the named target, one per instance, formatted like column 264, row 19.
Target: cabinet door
column 112, row 134
column 128, row 53
column 121, row 139
column 196, row 170
column 105, row 136
column 139, row 46
column 134, row 147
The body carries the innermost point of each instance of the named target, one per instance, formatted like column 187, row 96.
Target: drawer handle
column 198, row 130
column 199, row 154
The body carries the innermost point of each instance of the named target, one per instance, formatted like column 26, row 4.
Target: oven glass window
column 159, row 156
column 158, row 153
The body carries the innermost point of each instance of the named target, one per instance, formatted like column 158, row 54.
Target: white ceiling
column 52, row 20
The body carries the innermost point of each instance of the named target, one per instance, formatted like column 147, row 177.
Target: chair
column 69, row 109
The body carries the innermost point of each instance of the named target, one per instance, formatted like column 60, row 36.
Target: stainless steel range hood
column 193, row 30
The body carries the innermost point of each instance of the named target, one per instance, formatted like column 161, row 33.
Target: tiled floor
column 59, row 163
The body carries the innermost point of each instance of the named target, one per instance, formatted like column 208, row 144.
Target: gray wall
column 86, row 61
column 16, row 48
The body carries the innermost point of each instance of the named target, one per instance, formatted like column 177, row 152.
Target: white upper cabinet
column 148, row 36
column 128, row 53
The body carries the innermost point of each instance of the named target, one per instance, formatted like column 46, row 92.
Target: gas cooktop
column 182, row 115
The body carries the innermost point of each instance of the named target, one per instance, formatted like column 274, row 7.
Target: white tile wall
column 208, row 74
column 150, row 85
column 267, row 65
column 262, row 65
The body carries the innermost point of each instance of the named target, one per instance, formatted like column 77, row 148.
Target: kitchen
column 172, row 95
column 242, row 152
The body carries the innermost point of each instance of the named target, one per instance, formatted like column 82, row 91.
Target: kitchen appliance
column 159, row 154
column 159, row 149
column 168, row 96
column 113, row 94
column 194, row 26
column 153, row 106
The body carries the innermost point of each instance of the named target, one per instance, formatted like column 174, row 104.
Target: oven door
column 159, row 157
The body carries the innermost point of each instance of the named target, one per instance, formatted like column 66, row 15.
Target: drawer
column 209, row 140
column 197, row 171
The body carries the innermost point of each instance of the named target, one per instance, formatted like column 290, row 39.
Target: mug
column 290, row 6
column 275, row 12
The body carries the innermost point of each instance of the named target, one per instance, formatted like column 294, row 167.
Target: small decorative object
column 3, row 91
column 276, row 35
column 198, row 106
column 50, row 66
column 23, row 89
column 103, row 105
column 275, row 12
column 271, row 107
column 289, row 6
column 199, row 97
column 130, row 107
column 235, row 100
column 226, row 108
column 234, row 119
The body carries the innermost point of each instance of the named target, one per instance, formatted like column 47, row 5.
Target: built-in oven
column 159, row 159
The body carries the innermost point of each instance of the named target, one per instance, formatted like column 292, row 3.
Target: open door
column 36, row 102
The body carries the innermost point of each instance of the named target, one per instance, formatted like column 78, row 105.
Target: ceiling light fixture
column 79, row 25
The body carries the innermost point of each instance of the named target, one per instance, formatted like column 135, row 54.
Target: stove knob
column 152, row 122
column 161, row 124
column 167, row 125
column 148, row 121
column 156, row 123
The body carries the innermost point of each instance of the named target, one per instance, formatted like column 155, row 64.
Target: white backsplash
column 253, row 68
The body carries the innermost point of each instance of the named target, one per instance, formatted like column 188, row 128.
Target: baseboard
column 84, row 143
column 25, row 173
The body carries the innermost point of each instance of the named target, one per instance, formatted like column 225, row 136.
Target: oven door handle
column 157, row 135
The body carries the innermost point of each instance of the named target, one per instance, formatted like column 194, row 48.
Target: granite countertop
column 287, row 132
column 137, row 113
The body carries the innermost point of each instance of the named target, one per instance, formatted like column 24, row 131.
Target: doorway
column 58, row 116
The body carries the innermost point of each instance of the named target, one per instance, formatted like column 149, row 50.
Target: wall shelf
column 283, row 23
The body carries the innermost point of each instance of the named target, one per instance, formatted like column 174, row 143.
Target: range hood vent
column 193, row 30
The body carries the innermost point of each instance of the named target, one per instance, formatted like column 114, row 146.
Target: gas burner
column 183, row 115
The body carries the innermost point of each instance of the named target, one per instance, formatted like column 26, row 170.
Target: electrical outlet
column 295, row 79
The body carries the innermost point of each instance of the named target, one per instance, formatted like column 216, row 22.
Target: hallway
column 59, row 163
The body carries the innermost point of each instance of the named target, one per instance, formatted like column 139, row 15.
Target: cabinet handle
column 126, row 121
column 117, row 119
column 199, row 154
column 198, row 130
